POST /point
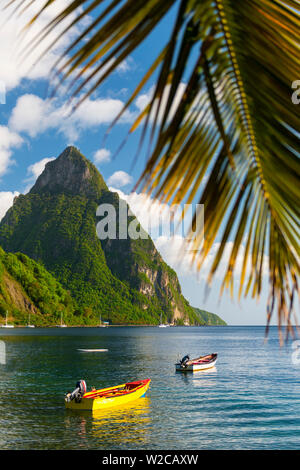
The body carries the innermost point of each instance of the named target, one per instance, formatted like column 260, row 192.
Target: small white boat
column 6, row 324
column 61, row 323
column 29, row 325
column 200, row 363
column 101, row 325
column 162, row 325
column 92, row 350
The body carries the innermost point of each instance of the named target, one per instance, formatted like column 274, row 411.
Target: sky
column 35, row 128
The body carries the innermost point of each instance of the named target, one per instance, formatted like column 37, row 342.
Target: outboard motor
column 78, row 393
column 184, row 361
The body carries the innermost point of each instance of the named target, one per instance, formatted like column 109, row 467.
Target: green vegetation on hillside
column 26, row 288
column 208, row 318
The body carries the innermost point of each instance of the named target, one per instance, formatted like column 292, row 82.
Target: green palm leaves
column 234, row 127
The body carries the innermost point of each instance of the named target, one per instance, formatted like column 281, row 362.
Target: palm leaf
column 235, row 124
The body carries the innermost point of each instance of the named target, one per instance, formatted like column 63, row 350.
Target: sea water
column 250, row 400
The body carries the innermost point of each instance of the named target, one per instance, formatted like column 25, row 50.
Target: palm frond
column 235, row 123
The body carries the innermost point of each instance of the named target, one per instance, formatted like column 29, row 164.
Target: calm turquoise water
column 251, row 400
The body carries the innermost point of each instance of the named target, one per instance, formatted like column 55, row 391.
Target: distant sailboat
column 62, row 325
column 29, row 325
column 6, row 324
column 162, row 325
column 101, row 325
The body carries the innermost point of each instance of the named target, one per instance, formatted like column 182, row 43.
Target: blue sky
column 34, row 129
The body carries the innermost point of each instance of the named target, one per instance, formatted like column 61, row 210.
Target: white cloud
column 33, row 115
column 155, row 218
column 101, row 156
column 13, row 69
column 126, row 65
column 8, row 141
column 16, row 65
column 100, row 111
column 35, row 170
column 6, row 201
column 176, row 253
column 119, row 179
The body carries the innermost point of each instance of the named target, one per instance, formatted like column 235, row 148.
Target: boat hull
column 92, row 350
column 200, row 363
column 91, row 402
column 195, row 367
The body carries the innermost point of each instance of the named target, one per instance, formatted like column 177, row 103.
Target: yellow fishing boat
column 80, row 399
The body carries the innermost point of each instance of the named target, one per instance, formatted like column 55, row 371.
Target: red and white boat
column 200, row 363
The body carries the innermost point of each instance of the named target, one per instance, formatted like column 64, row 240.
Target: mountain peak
column 70, row 173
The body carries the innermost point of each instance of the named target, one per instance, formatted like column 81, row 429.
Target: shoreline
column 109, row 326
column 124, row 325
